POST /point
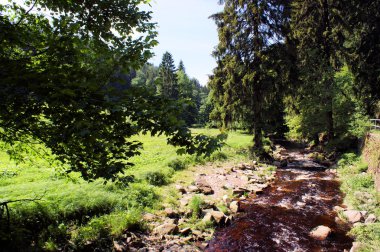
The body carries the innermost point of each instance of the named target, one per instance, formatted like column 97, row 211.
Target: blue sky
column 185, row 30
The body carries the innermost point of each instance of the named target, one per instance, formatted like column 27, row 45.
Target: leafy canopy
column 62, row 83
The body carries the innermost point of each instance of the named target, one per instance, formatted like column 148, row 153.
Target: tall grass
column 73, row 212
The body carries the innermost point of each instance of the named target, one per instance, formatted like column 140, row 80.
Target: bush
column 218, row 156
column 348, row 159
column 178, row 164
column 140, row 196
column 368, row 235
column 157, row 178
column 196, row 206
column 360, row 181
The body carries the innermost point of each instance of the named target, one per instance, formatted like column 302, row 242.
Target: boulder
column 356, row 247
column 352, row 216
column 226, row 199
column 149, row 217
column 320, row 233
column 166, row 229
column 338, row 208
column 193, row 188
column 277, row 163
column 240, row 191
column 207, row 217
column 370, row 219
column 235, row 206
column 185, row 231
column 169, row 212
column 181, row 189
column 119, row 246
column 244, row 178
column 204, row 187
column 218, row 216
column 228, row 186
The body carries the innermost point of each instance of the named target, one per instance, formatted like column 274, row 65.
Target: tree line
column 174, row 83
column 307, row 69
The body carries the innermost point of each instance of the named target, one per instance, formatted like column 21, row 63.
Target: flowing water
column 301, row 198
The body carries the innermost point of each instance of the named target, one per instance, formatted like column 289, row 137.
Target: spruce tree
column 313, row 26
column 181, row 67
column 169, row 84
column 244, row 78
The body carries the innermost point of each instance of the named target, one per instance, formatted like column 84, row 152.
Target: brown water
column 301, row 198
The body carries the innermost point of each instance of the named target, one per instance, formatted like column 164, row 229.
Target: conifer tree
column 169, row 84
column 181, row 67
column 313, row 26
column 243, row 80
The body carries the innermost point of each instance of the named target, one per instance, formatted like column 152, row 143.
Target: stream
column 301, row 198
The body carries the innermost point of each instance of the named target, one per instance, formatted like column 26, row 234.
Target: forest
column 95, row 139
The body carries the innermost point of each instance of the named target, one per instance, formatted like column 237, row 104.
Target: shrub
column 218, row 156
column 178, row 164
column 140, row 196
column 157, row 178
column 360, row 181
column 196, row 206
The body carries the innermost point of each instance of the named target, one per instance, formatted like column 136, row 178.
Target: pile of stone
column 222, row 187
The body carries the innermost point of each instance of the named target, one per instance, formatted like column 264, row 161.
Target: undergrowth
column 360, row 194
column 68, row 213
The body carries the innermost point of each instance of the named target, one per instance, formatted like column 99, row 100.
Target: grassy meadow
column 55, row 210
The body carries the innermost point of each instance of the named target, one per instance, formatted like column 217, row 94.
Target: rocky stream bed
column 293, row 209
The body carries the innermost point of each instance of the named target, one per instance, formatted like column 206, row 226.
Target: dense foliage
column 174, row 83
column 309, row 66
column 62, row 83
column 245, row 84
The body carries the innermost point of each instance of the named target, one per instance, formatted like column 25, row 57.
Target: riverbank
column 357, row 174
column 210, row 200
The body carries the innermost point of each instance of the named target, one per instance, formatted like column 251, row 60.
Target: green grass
column 75, row 213
column 360, row 194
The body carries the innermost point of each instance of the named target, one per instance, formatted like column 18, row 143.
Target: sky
column 185, row 30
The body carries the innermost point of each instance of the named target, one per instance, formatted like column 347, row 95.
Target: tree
column 169, row 83
column 147, row 76
column 362, row 47
column 61, row 83
column 243, row 81
column 181, row 67
column 314, row 27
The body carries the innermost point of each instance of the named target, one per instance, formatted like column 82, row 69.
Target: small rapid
column 281, row 219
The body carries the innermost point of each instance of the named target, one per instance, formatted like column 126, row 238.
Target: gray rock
column 218, row 216
column 193, row 188
column 181, row 189
column 370, row 219
column 228, row 186
column 338, row 208
column 185, row 231
column 204, row 187
column 207, row 217
column 320, row 233
column 277, row 163
column 149, row 217
column 169, row 212
column 235, row 206
column 166, row 229
column 355, row 247
column 226, row 199
column 352, row 216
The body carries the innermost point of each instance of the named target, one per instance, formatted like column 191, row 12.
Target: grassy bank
column 58, row 210
column 360, row 194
